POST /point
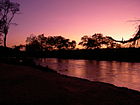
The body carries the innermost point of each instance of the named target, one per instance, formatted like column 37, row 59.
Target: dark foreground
column 24, row 85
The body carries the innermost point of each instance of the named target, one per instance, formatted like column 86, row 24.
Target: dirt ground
column 25, row 85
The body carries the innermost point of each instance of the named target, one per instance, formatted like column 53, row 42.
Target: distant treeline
column 96, row 47
column 41, row 43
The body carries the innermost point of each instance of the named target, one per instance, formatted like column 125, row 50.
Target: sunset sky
column 74, row 19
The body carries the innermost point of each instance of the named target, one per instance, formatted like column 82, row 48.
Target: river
column 123, row 74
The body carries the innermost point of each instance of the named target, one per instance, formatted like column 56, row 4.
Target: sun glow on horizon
column 73, row 19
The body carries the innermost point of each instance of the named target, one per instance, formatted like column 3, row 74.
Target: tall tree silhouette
column 8, row 10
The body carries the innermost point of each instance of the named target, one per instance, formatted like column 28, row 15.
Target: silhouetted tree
column 72, row 44
column 91, row 42
column 33, row 44
column 8, row 10
column 97, row 41
column 50, row 43
column 42, row 43
column 98, row 38
column 85, row 42
column 59, row 42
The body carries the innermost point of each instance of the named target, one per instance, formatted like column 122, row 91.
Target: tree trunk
column 5, row 37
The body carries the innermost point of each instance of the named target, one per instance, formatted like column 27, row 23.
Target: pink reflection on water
column 124, row 74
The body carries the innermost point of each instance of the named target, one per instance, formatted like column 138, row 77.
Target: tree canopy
column 42, row 43
column 97, row 41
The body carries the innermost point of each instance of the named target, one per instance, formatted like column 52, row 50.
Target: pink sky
column 74, row 19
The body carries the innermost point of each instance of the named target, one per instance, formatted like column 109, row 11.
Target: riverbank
column 26, row 85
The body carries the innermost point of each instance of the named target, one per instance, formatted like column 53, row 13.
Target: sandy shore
column 24, row 85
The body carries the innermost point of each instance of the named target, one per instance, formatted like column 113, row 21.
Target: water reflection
column 119, row 73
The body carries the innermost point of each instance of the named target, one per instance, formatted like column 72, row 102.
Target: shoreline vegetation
column 28, row 84
column 115, row 54
column 118, row 54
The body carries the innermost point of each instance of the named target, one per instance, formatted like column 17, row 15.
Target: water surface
column 124, row 74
